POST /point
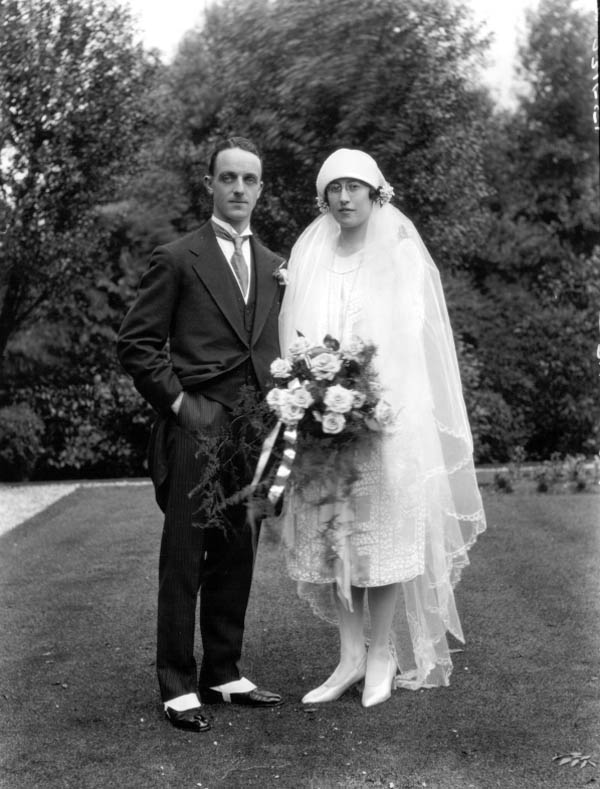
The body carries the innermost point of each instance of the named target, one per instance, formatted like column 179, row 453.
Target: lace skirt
column 391, row 525
column 369, row 528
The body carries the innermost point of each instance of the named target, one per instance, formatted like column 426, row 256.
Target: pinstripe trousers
column 198, row 561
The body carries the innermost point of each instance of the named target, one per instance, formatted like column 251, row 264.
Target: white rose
column 302, row 397
column 384, row 413
column 353, row 348
column 325, row 366
column 280, row 368
column 274, row 399
column 298, row 348
column 339, row 399
column 281, row 275
column 290, row 413
column 332, row 422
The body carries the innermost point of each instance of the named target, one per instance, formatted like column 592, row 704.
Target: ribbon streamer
column 290, row 436
column 265, row 454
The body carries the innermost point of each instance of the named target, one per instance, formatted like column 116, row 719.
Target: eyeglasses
column 335, row 187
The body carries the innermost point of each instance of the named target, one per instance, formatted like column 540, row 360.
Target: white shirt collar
column 229, row 228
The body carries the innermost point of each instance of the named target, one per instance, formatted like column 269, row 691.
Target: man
column 203, row 326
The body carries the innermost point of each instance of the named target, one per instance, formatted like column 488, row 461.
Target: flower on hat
column 385, row 193
column 322, row 205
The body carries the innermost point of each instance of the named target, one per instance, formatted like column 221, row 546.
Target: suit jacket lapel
column 211, row 267
column 266, row 285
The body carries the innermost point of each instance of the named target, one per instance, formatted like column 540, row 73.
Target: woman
column 400, row 536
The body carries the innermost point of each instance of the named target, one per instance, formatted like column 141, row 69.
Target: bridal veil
column 427, row 457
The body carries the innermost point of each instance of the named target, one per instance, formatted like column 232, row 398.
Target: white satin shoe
column 330, row 692
column 381, row 691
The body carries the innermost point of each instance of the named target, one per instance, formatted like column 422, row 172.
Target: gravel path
column 20, row 502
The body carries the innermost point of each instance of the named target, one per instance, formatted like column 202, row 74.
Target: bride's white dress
column 415, row 510
column 372, row 529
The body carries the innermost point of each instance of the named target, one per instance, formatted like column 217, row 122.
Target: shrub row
column 101, row 429
column 95, row 430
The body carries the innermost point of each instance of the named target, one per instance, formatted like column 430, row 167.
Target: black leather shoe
column 191, row 720
column 253, row 698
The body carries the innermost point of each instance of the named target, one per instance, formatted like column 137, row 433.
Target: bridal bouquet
column 327, row 397
column 329, row 389
column 325, row 400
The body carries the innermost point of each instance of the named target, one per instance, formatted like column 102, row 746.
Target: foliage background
column 103, row 150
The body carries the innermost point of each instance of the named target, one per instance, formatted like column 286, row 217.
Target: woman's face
column 349, row 201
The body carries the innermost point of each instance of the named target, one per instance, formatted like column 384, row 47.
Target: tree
column 540, row 266
column 543, row 160
column 304, row 77
column 73, row 111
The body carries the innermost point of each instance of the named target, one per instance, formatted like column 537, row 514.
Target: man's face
column 235, row 186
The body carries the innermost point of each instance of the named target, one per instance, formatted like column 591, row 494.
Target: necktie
column 238, row 262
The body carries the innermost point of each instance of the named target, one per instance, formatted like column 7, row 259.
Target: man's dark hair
column 232, row 142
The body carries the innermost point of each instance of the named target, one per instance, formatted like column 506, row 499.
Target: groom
column 204, row 325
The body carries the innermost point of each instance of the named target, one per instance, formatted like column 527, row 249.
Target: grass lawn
column 79, row 699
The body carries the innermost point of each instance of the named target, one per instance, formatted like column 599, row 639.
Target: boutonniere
column 281, row 274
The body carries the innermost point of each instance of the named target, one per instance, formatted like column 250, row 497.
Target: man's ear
column 208, row 184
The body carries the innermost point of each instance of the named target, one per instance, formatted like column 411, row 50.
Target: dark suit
column 190, row 330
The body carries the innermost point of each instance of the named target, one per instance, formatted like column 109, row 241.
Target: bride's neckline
column 345, row 262
column 345, row 252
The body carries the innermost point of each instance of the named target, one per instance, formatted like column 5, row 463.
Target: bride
column 402, row 532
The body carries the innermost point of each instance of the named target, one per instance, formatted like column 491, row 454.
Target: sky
column 162, row 23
